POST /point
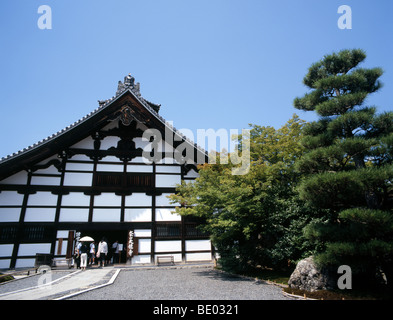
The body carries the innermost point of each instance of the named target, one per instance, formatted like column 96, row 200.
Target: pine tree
column 348, row 165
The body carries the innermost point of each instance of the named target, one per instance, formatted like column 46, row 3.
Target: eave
column 54, row 144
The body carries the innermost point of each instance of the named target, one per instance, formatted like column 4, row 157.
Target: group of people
column 89, row 252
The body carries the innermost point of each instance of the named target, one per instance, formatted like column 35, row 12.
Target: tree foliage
column 348, row 164
column 257, row 218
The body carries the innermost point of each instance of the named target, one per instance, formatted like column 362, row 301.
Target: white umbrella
column 86, row 239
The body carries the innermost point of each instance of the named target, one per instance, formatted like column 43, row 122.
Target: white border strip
column 93, row 288
column 41, row 286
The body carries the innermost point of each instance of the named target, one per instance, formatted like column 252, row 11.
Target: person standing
column 115, row 250
column 109, row 254
column 102, row 251
column 83, row 250
column 92, row 253
column 77, row 255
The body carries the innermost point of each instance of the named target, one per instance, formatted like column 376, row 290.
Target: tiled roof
column 122, row 89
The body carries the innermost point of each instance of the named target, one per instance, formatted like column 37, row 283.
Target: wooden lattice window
column 8, row 233
column 168, row 230
column 123, row 180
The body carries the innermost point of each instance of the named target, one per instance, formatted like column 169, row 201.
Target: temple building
column 106, row 175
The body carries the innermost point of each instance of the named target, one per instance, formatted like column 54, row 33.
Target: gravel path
column 183, row 284
column 32, row 281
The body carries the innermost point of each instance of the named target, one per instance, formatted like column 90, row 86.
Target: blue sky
column 210, row 64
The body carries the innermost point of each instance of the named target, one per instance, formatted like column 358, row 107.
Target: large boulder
column 307, row 276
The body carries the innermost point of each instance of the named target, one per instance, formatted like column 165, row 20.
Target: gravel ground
column 183, row 284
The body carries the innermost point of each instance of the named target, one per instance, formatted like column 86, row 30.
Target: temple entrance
column 111, row 236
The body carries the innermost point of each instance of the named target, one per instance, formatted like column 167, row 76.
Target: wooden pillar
column 70, row 244
column 153, row 218
column 183, row 225
column 20, row 229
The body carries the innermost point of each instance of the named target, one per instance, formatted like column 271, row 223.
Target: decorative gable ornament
column 126, row 116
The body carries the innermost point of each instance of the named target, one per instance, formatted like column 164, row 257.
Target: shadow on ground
column 224, row 276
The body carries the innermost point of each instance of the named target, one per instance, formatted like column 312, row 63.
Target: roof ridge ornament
column 129, row 83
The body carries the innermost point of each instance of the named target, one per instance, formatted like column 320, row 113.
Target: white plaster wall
column 137, row 215
column 78, row 179
column 204, row 256
column 140, row 259
column 111, row 159
column 198, row 245
column 9, row 214
column 75, row 199
column 6, row 250
column 40, row 214
column 30, row 249
column 142, row 233
column 42, row 198
column 163, row 201
column 107, row 200
column 140, row 160
column 24, row 263
column 109, row 142
column 139, row 168
column 81, row 157
column 106, row 215
column 73, row 215
column 11, row 198
column 168, row 169
column 138, row 200
column 18, row 178
column 167, row 181
column 62, row 234
column 141, row 143
column 166, row 215
column 50, row 170
column 46, row 181
column 168, row 246
column 110, row 167
column 167, row 160
column 80, row 166
column 5, row 264
column 87, row 143
column 144, row 245
column 63, row 247
column 192, row 174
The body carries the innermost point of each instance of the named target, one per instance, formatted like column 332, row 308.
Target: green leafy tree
column 348, row 165
column 257, row 218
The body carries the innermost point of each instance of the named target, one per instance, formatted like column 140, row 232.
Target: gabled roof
column 128, row 93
